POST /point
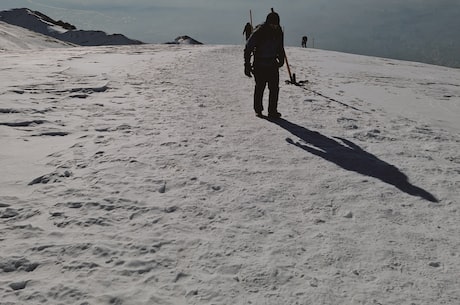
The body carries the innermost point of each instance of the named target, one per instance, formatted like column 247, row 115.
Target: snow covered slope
column 40, row 23
column 140, row 175
column 16, row 38
column 185, row 40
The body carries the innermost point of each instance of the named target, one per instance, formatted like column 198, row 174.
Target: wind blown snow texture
column 140, row 175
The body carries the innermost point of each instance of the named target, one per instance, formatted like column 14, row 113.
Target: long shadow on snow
column 351, row 157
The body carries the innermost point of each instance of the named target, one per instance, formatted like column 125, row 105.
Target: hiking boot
column 259, row 114
column 274, row 115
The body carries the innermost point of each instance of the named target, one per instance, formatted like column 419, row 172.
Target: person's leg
column 261, row 81
column 273, row 86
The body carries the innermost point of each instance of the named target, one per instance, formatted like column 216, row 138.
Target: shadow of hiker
column 351, row 157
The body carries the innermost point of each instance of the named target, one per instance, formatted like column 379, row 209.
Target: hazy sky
column 424, row 30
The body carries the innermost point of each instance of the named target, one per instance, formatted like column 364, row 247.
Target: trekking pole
column 250, row 16
column 291, row 76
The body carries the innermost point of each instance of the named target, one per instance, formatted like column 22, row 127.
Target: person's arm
column 249, row 48
column 281, row 52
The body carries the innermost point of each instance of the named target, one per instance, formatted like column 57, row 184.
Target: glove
column 247, row 69
column 280, row 62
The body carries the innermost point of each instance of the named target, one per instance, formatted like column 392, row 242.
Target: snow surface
column 140, row 175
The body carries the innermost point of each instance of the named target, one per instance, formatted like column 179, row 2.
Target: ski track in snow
column 155, row 184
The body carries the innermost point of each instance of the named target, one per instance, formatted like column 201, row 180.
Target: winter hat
column 273, row 18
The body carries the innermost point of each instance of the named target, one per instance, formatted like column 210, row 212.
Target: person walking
column 304, row 41
column 247, row 30
column 267, row 44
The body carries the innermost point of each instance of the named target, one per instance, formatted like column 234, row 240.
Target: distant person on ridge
column 247, row 30
column 304, row 41
column 267, row 43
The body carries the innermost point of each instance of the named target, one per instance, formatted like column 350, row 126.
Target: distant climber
column 247, row 30
column 304, row 41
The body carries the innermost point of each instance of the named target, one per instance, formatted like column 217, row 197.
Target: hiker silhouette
column 267, row 44
column 350, row 156
column 247, row 30
column 304, row 41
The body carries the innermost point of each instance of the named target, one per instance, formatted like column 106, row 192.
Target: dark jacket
column 267, row 43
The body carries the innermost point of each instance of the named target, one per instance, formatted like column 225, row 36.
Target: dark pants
column 266, row 75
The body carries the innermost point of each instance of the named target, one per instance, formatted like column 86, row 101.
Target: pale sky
column 419, row 30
